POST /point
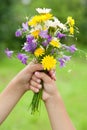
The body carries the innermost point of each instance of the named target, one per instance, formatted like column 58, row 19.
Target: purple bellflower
column 71, row 48
column 8, row 53
column 44, row 34
column 61, row 35
column 18, row 33
column 23, row 58
column 49, row 38
column 30, row 47
column 63, row 60
column 25, row 26
column 29, row 38
column 45, row 43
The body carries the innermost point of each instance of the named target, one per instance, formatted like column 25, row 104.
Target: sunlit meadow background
column 71, row 80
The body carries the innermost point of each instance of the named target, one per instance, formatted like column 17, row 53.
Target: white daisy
column 38, row 27
column 59, row 24
column 43, row 11
column 55, row 23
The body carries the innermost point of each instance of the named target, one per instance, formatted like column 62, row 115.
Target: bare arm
column 15, row 90
column 58, row 116
column 8, row 99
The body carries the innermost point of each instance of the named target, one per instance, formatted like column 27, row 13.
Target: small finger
column 36, row 90
column 35, row 84
column 52, row 73
column 34, row 78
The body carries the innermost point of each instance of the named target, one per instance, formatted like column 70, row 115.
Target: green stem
column 37, row 99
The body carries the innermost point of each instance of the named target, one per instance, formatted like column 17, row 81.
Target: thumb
column 34, row 67
column 43, row 76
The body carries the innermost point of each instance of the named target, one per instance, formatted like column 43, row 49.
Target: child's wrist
column 16, row 84
column 53, row 98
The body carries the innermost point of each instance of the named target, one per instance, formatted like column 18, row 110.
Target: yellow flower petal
column 36, row 33
column 39, row 18
column 55, row 43
column 71, row 21
column 48, row 62
column 39, row 52
column 71, row 30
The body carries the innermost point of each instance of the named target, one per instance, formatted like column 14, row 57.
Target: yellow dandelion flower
column 71, row 30
column 48, row 62
column 36, row 33
column 39, row 18
column 45, row 17
column 55, row 43
column 33, row 21
column 71, row 21
column 39, row 52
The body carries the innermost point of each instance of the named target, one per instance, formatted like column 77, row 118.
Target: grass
column 72, row 84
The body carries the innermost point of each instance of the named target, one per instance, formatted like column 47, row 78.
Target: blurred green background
column 71, row 80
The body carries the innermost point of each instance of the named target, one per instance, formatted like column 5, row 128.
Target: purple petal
column 8, row 53
column 66, row 58
column 25, row 26
column 62, row 62
column 49, row 38
column 45, row 43
column 29, row 38
column 23, row 58
column 44, row 34
column 18, row 33
column 30, row 47
column 61, row 35
column 71, row 48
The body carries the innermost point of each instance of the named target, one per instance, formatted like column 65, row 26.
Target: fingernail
column 37, row 90
column 37, row 73
column 38, row 80
column 39, row 85
column 53, row 74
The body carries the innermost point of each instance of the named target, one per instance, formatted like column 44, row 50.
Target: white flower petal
column 43, row 11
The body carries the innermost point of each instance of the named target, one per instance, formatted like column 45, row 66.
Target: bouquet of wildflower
column 46, row 40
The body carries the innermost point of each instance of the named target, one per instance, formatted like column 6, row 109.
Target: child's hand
column 23, row 78
column 49, row 84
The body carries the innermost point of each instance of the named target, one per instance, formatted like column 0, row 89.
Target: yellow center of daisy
column 48, row 62
column 39, row 52
column 55, row 43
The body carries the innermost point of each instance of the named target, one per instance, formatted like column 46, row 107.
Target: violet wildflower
column 23, row 58
column 30, row 47
column 66, row 58
column 18, row 33
column 29, row 38
column 45, row 43
column 49, row 38
column 61, row 35
column 44, row 34
column 25, row 26
column 71, row 48
column 8, row 53
column 63, row 60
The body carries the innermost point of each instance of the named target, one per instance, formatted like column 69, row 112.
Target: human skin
column 16, row 89
column 57, row 113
